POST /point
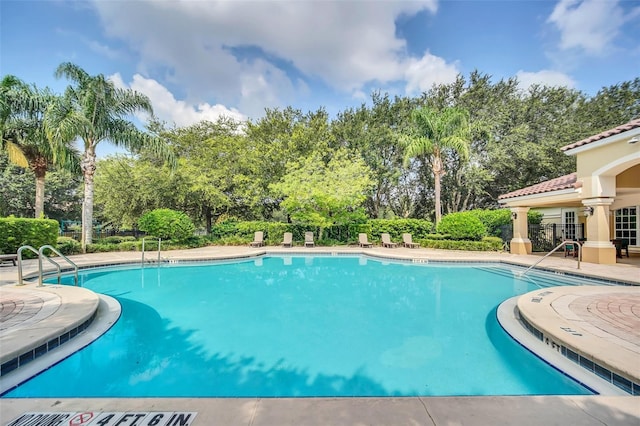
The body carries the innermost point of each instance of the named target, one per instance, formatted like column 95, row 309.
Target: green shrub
column 328, row 242
column 167, row 224
column 130, row 246
column 418, row 228
column 493, row 220
column 101, row 248
column 486, row 244
column 17, row 232
column 191, row 242
column 534, row 217
column 67, row 246
column 111, row 240
column 462, row 226
column 437, row 237
column 233, row 240
column 224, row 229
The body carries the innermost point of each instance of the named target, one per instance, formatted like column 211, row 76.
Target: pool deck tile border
column 586, row 340
column 527, row 410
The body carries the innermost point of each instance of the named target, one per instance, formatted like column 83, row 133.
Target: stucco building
column 603, row 193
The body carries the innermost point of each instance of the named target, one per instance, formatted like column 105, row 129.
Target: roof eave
column 626, row 135
column 550, row 197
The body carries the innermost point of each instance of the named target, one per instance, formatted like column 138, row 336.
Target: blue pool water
column 303, row 326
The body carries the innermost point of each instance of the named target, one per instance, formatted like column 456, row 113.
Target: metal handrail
column 20, row 280
column 554, row 250
column 159, row 243
column 41, row 255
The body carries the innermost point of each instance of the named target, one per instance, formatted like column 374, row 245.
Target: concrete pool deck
column 609, row 326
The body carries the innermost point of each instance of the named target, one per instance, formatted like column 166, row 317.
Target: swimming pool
column 302, row 327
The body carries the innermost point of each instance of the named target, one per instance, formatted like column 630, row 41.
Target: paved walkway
column 610, row 317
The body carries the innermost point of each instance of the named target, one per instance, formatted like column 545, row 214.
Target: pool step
column 542, row 279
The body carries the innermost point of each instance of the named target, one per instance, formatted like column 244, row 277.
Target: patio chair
column 287, row 240
column 308, row 239
column 570, row 249
column 363, row 240
column 407, row 241
column 258, row 239
column 13, row 257
column 386, row 241
column 624, row 245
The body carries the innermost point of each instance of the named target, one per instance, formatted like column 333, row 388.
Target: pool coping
column 511, row 322
column 545, row 315
column 604, row 407
column 341, row 252
column 101, row 318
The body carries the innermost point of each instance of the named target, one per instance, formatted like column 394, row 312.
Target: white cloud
column 167, row 108
column 203, row 45
column 589, row 25
column 545, row 78
column 421, row 74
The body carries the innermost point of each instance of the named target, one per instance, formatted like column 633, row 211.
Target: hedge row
column 486, row 244
column 16, row 232
column 231, row 232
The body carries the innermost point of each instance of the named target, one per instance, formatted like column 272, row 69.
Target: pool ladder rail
column 159, row 247
column 41, row 256
column 562, row 244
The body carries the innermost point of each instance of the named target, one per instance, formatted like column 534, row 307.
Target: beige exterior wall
column 630, row 178
column 556, row 214
column 598, row 167
column 608, row 178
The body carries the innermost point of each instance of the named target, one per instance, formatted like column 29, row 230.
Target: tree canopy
column 318, row 169
column 325, row 193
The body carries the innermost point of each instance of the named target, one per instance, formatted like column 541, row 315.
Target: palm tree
column 437, row 133
column 93, row 110
column 22, row 111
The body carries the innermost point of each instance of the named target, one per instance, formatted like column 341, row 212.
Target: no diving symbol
column 80, row 419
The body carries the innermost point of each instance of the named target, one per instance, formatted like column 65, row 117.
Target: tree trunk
column 39, row 168
column 39, row 208
column 88, row 166
column 209, row 219
column 437, row 197
column 438, row 171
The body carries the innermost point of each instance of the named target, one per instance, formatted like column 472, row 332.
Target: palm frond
column 15, row 154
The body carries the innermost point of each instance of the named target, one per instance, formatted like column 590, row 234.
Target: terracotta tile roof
column 616, row 130
column 562, row 182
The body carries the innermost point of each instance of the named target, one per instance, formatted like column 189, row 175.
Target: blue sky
column 200, row 59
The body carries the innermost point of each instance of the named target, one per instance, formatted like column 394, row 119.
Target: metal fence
column 546, row 237
column 101, row 233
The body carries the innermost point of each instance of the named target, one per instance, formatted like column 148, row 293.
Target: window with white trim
column 570, row 225
column 627, row 224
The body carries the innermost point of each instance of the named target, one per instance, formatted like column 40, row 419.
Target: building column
column 598, row 247
column 520, row 243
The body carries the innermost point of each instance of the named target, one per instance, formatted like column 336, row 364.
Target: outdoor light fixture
column 633, row 140
column 588, row 211
column 514, row 215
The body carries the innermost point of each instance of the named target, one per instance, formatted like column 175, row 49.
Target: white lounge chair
column 386, row 241
column 258, row 239
column 363, row 240
column 287, row 241
column 308, row 239
column 408, row 242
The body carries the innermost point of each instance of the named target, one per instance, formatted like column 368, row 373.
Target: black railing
column 546, row 237
column 102, row 233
